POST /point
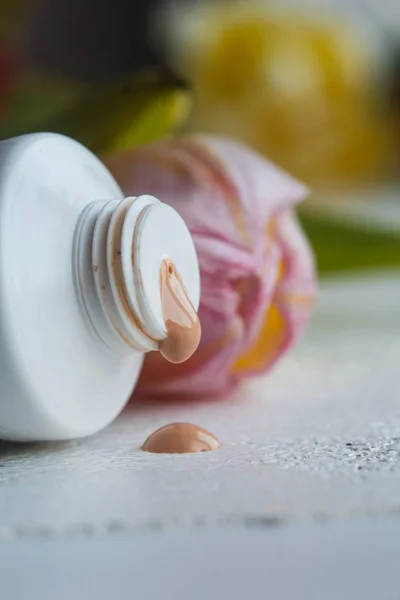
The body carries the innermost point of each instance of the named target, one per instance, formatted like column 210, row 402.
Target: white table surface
column 317, row 439
column 356, row 560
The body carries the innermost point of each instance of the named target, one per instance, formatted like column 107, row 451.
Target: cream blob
column 180, row 438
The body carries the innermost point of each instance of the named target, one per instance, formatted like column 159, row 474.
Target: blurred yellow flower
column 297, row 90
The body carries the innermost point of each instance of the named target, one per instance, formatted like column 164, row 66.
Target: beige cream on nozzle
column 180, row 318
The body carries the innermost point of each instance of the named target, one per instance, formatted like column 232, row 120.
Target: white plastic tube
column 79, row 287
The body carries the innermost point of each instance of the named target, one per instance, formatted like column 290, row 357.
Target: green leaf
column 163, row 114
column 110, row 117
column 123, row 114
column 341, row 246
column 35, row 100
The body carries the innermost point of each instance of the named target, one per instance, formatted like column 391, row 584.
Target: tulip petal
column 290, row 307
column 257, row 271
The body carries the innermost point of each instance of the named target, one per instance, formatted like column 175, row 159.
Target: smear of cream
column 181, row 320
column 180, row 438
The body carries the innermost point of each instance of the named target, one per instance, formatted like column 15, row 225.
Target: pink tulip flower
column 257, row 269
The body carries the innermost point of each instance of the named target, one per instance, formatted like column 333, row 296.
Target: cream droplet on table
column 180, row 317
column 180, row 438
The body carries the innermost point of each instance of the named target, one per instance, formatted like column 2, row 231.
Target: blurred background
column 315, row 86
